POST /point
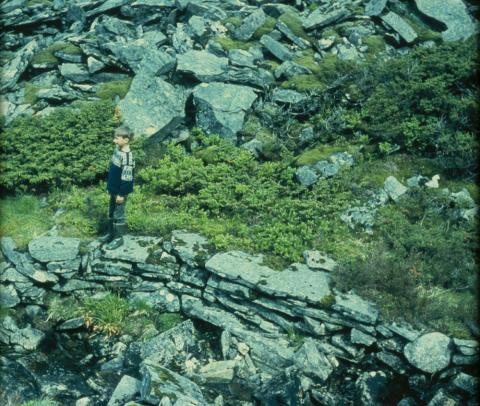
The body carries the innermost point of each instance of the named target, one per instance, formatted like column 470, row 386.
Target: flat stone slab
column 299, row 282
column 192, row 248
column 46, row 249
column 240, row 267
column 399, row 25
column 134, row 248
column 355, row 307
column 201, row 64
column 8, row 296
column 430, row 352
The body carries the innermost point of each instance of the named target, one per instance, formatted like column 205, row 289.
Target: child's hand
column 119, row 199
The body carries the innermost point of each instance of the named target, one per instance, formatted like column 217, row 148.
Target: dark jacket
column 120, row 173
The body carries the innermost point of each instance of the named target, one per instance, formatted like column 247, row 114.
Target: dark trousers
column 116, row 211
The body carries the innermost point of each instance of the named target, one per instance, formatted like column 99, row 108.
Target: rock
column 289, row 69
column 433, row 183
column 306, row 176
column 326, row 169
column 359, row 337
column 319, row 19
column 75, row 72
column 162, row 300
column 249, row 25
column 14, row 69
column 441, row 398
column 312, row 362
column 392, row 361
column 152, row 106
column 299, row 282
column 394, row 188
column 375, row 7
column 404, row 330
column 300, row 42
column 466, row 383
column 355, row 307
column 193, row 249
column 362, row 216
column 342, row 159
column 254, row 146
column 203, row 65
column 134, row 249
column 76, row 284
column 126, row 390
column 158, row 382
column 240, row 57
column 452, row 13
column 347, row 52
column 27, row 338
column 276, row 48
column 55, row 94
column 218, row 372
column 463, row 199
column 316, row 260
column 198, row 26
column 8, row 296
column 46, row 249
column 399, row 25
column 72, row 324
column 94, row 65
column 288, row 96
column 430, row 352
column 417, row 181
column 370, row 387
column 221, row 107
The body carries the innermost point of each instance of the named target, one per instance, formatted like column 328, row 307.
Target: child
column 119, row 185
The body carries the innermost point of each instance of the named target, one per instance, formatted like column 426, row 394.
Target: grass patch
column 47, row 55
column 235, row 21
column 322, row 152
column 30, row 93
column 108, row 90
column 307, row 59
column 22, row 218
column 228, row 43
column 40, row 402
column 304, row 83
column 266, row 28
column 294, row 22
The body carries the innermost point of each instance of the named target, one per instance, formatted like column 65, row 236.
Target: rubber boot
column 120, row 230
column 110, row 233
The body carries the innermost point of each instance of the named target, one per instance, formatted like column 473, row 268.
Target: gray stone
column 94, row 65
column 298, row 41
column 240, row 57
column 299, row 282
column 218, row 372
column 134, row 248
column 288, row 96
column 14, row 69
column 221, row 107
column 8, row 296
column 307, row 135
column 392, row 361
column 105, row 6
column 319, row 19
column 13, row 276
column 203, row 65
column 126, row 390
column 193, row 276
column 394, row 188
column 452, row 13
column 466, row 383
column 465, row 359
column 316, row 260
column 46, row 249
column 306, row 176
column 417, row 181
column 75, row 72
column 152, row 106
column 27, row 338
column 257, row 77
column 404, row 330
column 370, row 387
column 254, row 146
column 430, row 352
column 312, row 362
column 240, row 267
column 399, row 25
column 72, row 324
column 250, row 24
column 276, row 48
column 342, row 159
column 359, row 337
column 347, row 52
column 56, row 93
column 164, row 272
column 441, row 398
column 355, row 307
column 76, row 284
column 112, row 268
column 289, row 69
column 375, row 7
column 193, row 249
column 198, row 26
column 407, row 402
column 158, row 381
column 326, row 169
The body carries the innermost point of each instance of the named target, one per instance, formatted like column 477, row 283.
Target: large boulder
column 452, row 13
column 221, row 107
column 430, row 353
column 152, row 106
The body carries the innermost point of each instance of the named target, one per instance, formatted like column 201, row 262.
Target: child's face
column 120, row 141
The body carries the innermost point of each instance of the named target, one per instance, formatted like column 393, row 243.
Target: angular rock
column 46, row 249
column 362, row 216
column 193, row 249
column 404, row 330
column 312, row 362
column 306, row 176
column 399, row 25
column 375, row 7
column 28, row 338
column 94, row 65
column 72, row 324
column 452, row 13
column 394, row 188
column 162, row 300
column 316, row 260
column 370, row 388
column 134, row 248
column 203, row 65
column 288, row 96
column 276, row 48
column 326, row 169
column 289, row 69
column 298, row 41
column 319, row 19
column 75, row 72
column 14, row 69
column 152, row 106
column 359, row 337
column 126, row 390
column 221, row 107
column 441, row 398
column 218, row 372
column 430, row 352
column 466, row 383
column 355, row 307
column 240, row 57
column 392, row 361
column 250, row 24
column 8, row 297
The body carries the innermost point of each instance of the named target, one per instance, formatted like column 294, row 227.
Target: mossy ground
column 47, row 55
column 109, row 90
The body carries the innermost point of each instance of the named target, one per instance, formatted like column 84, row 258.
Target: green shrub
column 69, row 146
column 108, row 90
column 228, row 43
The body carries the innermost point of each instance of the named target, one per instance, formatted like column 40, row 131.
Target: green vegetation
column 294, row 22
column 111, row 314
column 69, row 146
column 47, row 55
column 30, row 93
column 266, row 28
column 228, row 43
column 108, row 90
column 32, row 3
